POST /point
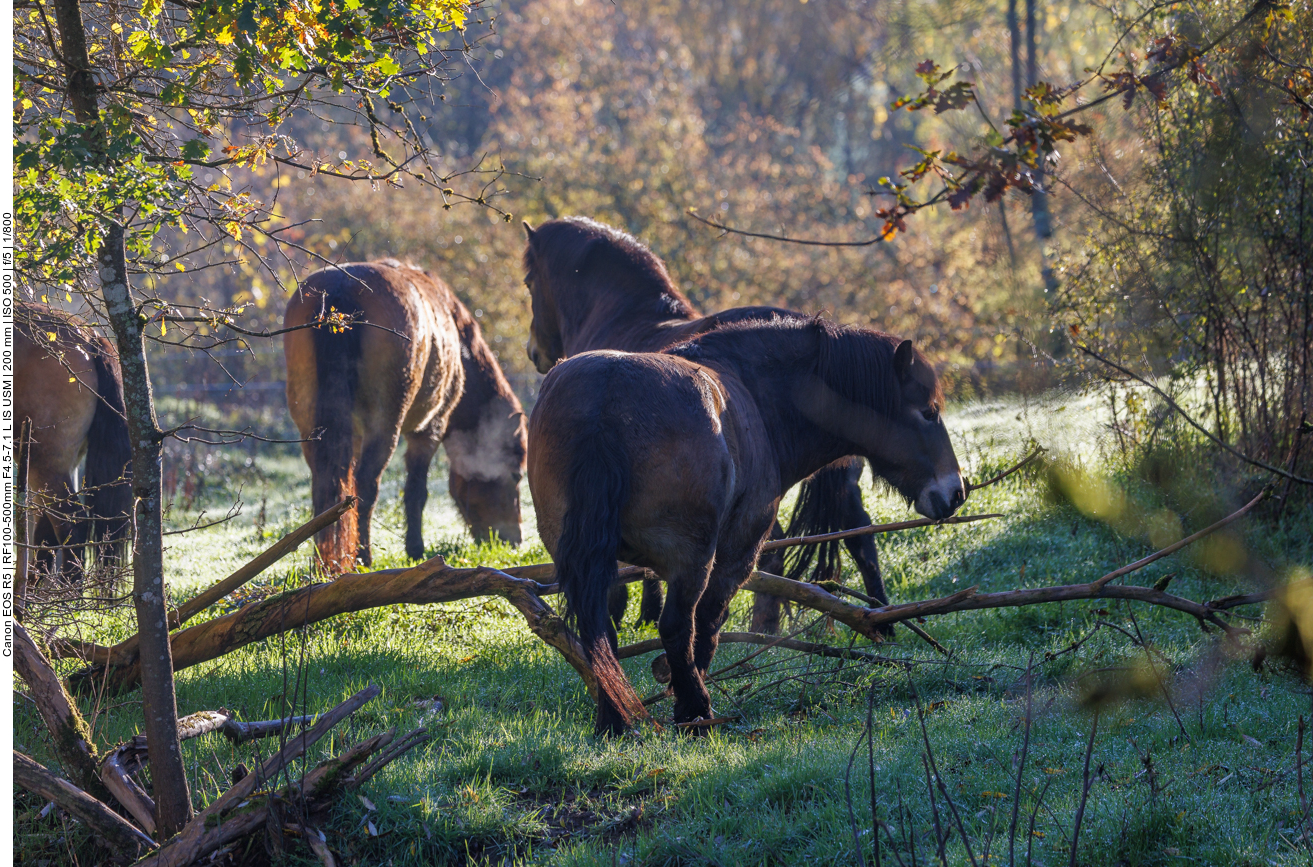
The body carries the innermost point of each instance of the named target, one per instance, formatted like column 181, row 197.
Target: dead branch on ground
column 112, row 830
column 430, row 582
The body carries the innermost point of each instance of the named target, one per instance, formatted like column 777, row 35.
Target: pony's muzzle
column 942, row 497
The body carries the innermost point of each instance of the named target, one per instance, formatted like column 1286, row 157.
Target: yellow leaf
column 72, row 379
column 50, row 335
column 164, row 328
column 179, row 266
column 68, row 296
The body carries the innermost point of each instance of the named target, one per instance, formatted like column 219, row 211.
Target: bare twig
column 872, row 529
column 1021, row 766
column 1220, row 443
column 1003, row 475
column 1085, row 789
column 943, row 790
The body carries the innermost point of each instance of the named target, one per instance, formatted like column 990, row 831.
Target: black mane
column 856, row 363
column 578, row 245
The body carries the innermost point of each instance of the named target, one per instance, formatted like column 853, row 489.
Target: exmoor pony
column 593, row 287
column 395, row 353
column 676, row 461
column 67, row 381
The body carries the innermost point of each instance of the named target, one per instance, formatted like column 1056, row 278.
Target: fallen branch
column 69, row 735
column 108, row 827
column 267, row 558
column 836, row 587
column 125, row 651
column 651, row 644
column 434, row 582
column 430, row 582
column 118, row 779
column 312, row 793
column 872, row 529
column 1193, row 537
column 230, row 816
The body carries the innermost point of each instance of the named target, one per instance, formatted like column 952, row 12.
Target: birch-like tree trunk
column 159, row 702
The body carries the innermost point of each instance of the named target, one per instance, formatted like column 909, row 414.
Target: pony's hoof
column 661, row 668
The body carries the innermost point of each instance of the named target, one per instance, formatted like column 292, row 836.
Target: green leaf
column 196, row 149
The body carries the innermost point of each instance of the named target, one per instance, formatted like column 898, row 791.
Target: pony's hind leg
column 373, row 459
column 420, row 448
column 713, row 609
column 685, row 588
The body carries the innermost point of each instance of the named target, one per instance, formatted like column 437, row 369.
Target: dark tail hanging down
column 108, row 474
column 332, row 455
column 597, row 489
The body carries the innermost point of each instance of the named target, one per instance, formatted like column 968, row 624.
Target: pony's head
column 576, row 269
column 882, row 395
column 487, row 464
column 545, row 346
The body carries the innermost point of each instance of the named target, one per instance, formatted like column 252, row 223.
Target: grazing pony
column 593, row 287
column 394, row 352
column 676, row 461
column 67, row 381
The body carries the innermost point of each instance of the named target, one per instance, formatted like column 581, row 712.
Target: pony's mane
column 856, row 363
column 558, row 245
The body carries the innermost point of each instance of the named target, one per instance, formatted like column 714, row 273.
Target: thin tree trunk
column 1014, row 31
column 158, row 699
column 172, row 799
column 1039, row 202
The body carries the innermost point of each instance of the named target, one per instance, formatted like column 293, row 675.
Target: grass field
column 513, row 775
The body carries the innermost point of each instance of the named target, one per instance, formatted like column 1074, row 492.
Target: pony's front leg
column 684, row 589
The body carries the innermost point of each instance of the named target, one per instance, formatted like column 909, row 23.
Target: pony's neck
column 627, row 311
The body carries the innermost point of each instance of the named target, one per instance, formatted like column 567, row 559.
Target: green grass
column 513, row 775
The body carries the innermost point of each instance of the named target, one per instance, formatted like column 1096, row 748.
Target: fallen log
column 69, row 735
column 430, row 582
column 111, row 829
column 125, row 651
column 241, row 811
column 206, row 832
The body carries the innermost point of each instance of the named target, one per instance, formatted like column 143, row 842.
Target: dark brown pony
column 67, row 381
column 397, row 354
column 594, row 287
column 676, row 461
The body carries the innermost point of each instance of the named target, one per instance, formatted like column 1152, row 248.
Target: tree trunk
column 1039, row 200
column 172, row 799
column 158, row 699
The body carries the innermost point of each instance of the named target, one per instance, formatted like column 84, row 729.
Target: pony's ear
column 528, row 230
column 904, row 358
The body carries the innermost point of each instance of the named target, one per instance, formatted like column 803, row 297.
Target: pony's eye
column 929, row 415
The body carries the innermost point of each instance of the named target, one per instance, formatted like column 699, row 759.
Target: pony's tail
column 820, row 509
column 332, row 454
column 597, row 488
column 109, row 459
